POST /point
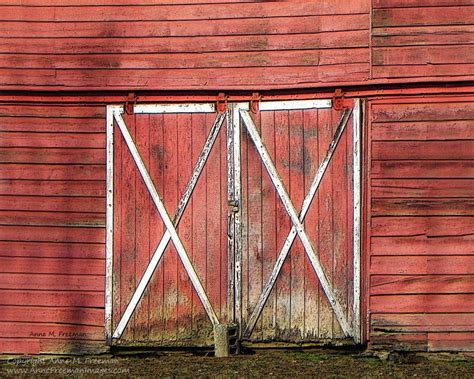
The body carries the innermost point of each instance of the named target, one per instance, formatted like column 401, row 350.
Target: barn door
column 240, row 217
column 167, row 224
column 300, row 222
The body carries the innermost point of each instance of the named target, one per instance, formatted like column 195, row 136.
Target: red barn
column 303, row 170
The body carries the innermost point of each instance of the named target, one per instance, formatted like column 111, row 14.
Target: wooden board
column 52, row 235
column 421, row 241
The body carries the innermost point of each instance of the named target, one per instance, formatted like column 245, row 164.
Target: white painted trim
column 292, row 235
column 174, row 108
column 237, row 215
column 293, row 104
column 109, row 220
column 166, row 220
column 278, row 184
column 356, row 124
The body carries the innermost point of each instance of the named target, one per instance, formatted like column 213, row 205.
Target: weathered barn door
column 168, row 168
column 300, row 217
column 207, row 223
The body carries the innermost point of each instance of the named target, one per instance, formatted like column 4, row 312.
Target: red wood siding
column 421, row 221
column 422, row 40
column 226, row 45
column 52, row 170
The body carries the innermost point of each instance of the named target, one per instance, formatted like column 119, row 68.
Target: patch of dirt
column 315, row 363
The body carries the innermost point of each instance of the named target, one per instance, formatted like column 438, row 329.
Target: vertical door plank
column 340, row 220
column 213, row 214
column 185, row 168
column 156, row 286
column 199, row 221
column 245, row 147
column 170, row 195
column 283, row 223
column 142, row 241
column 296, row 192
column 128, row 252
column 311, row 283
column 269, row 243
column 254, row 227
column 325, row 219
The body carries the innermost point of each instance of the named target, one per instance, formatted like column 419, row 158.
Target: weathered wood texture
column 170, row 312
column 52, row 228
column 297, row 309
column 422, row 40
column 422, row 220
column 207, row 45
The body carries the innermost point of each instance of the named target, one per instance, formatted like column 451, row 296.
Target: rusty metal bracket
column 130, row 102
column 339, row 102
column 256, row 97
column 221, row 102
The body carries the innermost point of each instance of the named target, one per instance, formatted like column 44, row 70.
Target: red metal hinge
column 256, row 97
column 338, row 101
column 221, row 102
column 130, row 102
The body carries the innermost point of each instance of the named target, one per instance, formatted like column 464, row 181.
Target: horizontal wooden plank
column 427, row 303
column 423, row 169
column 190, row 28
column 55, row 139
column 398, row 341
column 414, row 188
column 422, row 265
column 52, row 234
column 387, row 41
column 52, row 330
column 449, row 110
column 53, row 204
column 431, row 226
column 51, row 124
column 211, row 79
column 52, row 111
column 52, row 172
column 52, row 281
column 64, row 188
column 418, row 3
column 51, row 155
column 76, row 3
column 52, row 250
column 189, row 12
column 51, row 346
column 433, row 320
column 415, row 55
column 426, row 71
column 321, row 57
column 27, row 265
column 451, row 341
column 73, row 315
column 411, row 284
column 388, row 150
column 52, row 218
column 423, row 16
column 422, row 207
column 447, row 245
column 423, row 130
column 52, row 298
column 57, row 46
